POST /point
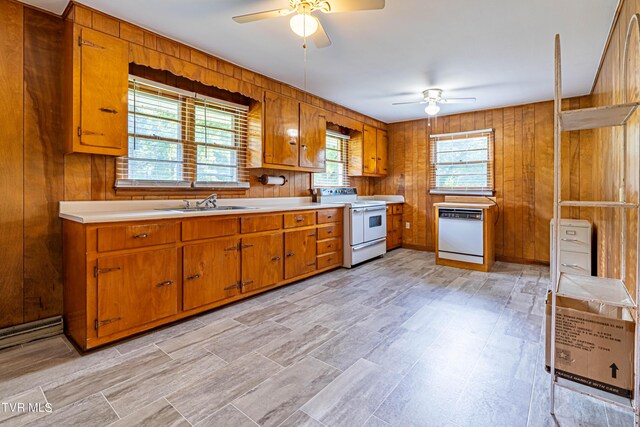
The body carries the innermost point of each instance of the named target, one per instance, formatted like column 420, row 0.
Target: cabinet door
column 262, row 261
column 136, row 289
column 211, row 272
column 300, row 253
column 104, row 65
column 280, row 130
column 313, row 139
column 369, row 149
column 381, row 152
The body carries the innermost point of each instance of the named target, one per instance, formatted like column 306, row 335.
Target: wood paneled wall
column 91, row 177
column 31, row 164
column 607, row 143
column 523, row 176
column 35, row 175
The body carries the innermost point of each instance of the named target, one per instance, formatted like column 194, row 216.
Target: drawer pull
column 329, row 231
column 194, row 277
column 293, row 143
column 313, row 263
column 312, row 235
column 290, row 254
column 565, row 239
column 141, row 236
column 329, row 216
column 572, row 266
column 109, row 110
column 330, row 245
column 97, row 270
column 163, row 284
column 299, row 219
column 276, row 258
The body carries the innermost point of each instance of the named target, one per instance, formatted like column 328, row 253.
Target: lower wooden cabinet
column 300, row 252
column 211, row 272
column 135, row 289
column 262, row 261
column 394, row 226
column 170, row 269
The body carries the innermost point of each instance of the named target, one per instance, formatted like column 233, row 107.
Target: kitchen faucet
column 209, row 202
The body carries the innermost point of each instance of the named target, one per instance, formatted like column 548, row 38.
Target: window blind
column 462, row 163
column 182, row 139
column 336, row 162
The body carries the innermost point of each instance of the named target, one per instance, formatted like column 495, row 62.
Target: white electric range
column 365, row 224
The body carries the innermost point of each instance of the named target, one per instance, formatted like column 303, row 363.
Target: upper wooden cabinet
column 313, row 130
column 368, row 152
column 293, row 135
column 280, row 130
column 97, row 88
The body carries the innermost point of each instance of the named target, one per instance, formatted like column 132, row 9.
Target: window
column 462, row 163
column 181, row 139
column 336, row 162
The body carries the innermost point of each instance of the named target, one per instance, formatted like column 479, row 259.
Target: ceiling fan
column 303, row 23
column 433, row 97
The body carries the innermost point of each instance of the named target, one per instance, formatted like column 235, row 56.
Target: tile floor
column 397, row 341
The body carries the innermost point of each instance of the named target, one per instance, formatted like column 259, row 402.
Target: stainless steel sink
column 207, row 209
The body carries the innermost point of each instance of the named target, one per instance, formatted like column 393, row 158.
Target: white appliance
column 365, row 224
column 461, row 234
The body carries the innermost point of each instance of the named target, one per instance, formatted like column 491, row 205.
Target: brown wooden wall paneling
column 43, row 165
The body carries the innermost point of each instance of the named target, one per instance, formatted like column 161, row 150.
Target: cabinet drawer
column 329, row 215
column 253, row 224
column 329, row 245
column 209, row 228
column 329, row 232
column 299, row 219
column 397, row 209
column 575, row 239
column 328, row 260
column 135, row 236
column 576, row 263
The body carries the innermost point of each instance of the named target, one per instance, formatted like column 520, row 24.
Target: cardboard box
column 594, row 344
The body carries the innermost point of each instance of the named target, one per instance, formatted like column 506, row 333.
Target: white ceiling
column 499, row 51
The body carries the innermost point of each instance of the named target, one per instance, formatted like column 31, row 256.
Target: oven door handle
column 382, row 208
column 356, row 210
column 368, row 244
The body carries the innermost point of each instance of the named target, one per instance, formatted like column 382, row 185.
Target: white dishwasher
column 461, row 234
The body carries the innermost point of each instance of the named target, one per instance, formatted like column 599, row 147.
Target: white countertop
column 464, row 205
column 140, row 210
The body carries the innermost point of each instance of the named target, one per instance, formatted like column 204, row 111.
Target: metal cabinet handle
column 373, row 158
column 329, row 231
column 310, row 264
column 234, row 286
column 565, row 239
column 312, row 235
column 292, row 142
column 572, row 266
column 276, row 258
column 299, row 219
column 163, row 284
column 304, row 147
column 329, row 216
column 231, row 248
column 330, row 245
column 248, row 282
column 246, row 246
column 290, row 254
column 141, row 236
column 194, row 277
column 109, row 110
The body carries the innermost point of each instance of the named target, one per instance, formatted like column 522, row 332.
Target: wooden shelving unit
column 612, row 292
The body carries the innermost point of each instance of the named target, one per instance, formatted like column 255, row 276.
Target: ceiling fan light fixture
column 303, row 24
column 432, row 109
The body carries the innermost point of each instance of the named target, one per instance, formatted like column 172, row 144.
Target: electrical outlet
column 407, row 225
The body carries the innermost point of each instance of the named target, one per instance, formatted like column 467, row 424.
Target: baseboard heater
column 20, row 334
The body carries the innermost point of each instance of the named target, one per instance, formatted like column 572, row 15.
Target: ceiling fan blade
column 410, row 102
column 320, row 37
column 337, row 6
column 458, row 100
column 243, row 19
